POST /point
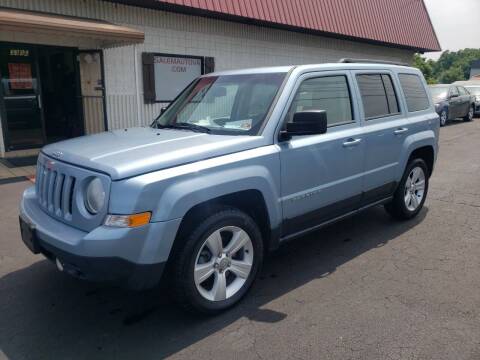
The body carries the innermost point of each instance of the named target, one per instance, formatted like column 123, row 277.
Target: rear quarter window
column 415, row 94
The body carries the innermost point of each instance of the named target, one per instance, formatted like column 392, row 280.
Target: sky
column 456, row 22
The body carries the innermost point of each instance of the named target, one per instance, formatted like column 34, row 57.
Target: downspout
column 137, row 92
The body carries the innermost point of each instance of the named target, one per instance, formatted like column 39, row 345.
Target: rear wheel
column 469, row 116
column 443, row 117
column 219, row 262
column 412, row 191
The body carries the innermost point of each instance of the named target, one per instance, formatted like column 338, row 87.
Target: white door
column 93, row 95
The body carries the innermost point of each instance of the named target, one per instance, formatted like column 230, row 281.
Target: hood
column 130, row 152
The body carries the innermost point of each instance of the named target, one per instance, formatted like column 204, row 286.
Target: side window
column 329, row 93
column 415, row 94
column 378, row 95
column 391, row 96
column 462, row 90
column 454, row 91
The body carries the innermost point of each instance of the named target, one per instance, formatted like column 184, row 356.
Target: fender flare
column 413, row 142
column 183, row 195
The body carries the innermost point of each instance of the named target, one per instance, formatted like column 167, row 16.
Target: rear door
column 384, row 129
column 465, row 100
column 454, row 103
column 321, row 175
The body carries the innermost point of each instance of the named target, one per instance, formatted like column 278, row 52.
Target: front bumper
column 129, row 257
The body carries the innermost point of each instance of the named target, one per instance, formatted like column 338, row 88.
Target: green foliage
column 451, row 66
column 426, row 67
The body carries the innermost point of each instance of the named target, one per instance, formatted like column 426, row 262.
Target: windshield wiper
column 187, row 126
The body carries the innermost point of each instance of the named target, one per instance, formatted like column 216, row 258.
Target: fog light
column 134, row 220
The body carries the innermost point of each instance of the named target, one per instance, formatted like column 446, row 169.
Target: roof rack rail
column 371, row 61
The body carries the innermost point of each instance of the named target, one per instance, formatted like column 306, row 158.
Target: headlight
column 94, row 196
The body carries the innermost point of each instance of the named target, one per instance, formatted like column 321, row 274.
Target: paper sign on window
column 20, row 75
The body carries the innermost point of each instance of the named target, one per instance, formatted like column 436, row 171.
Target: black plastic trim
column 115, row 271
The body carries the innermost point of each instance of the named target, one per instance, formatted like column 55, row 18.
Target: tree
column 426, row 67
column 451, row 66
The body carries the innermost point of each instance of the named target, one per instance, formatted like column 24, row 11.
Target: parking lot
column 364, row 288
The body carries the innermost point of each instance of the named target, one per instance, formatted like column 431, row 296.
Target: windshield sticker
column 245, row 124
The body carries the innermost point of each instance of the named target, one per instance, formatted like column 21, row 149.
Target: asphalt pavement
column 365, row 288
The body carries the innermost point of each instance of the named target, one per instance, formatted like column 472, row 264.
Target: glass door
column 20, row 89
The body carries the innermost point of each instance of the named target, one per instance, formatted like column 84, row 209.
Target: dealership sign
column 165, row 75
column 173, row 74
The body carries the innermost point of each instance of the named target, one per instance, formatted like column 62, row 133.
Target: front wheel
column 219, row 262
column 469, row 116
column 411, row 193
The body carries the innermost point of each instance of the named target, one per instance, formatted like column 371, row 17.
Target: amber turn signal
column 134, row 220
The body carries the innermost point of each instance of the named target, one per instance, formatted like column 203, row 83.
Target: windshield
column 439, row 92
column 474, row 90
column 230, row 104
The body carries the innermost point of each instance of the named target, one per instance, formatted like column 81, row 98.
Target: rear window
column 378, row 95
column 474, row 90
column 415, row 94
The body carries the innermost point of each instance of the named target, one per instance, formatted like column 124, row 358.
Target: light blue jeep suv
column 240, row 162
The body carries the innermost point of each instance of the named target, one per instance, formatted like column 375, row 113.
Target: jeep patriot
column 238, row 163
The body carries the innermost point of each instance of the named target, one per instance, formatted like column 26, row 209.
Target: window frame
column 461, row 89
column 451, row 91
column 395, row 89
column 318, row 75
column 425, row 88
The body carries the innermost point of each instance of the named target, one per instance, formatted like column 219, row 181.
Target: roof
column 467, row 83
column 399, row 23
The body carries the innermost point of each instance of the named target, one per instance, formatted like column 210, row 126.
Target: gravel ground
column 365, row 288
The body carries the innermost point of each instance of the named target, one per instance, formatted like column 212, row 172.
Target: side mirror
column 162, row 110
column 309, row 122
column 453, row 96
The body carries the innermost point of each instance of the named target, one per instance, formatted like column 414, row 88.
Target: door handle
column 39, row 99
column 400, row 131
column 352, row 142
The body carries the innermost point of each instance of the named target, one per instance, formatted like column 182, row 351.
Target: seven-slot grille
column 55, row 190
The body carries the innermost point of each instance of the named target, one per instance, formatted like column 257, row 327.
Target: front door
column 321, row 175
column 39, row 95
column 20, row 88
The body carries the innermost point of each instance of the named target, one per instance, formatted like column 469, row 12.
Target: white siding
column 233, row 45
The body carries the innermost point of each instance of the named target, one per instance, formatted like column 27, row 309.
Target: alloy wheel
column 443, row 118
column 223, row 263
column 414, row 188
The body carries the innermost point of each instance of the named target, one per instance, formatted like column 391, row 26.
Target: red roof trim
column 399, row 23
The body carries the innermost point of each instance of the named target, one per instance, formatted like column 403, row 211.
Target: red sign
column 20, row 76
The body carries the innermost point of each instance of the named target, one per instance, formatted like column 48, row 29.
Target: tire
column 443, row 117
column 192, row 288
column 403, row 207
column 469, row 116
